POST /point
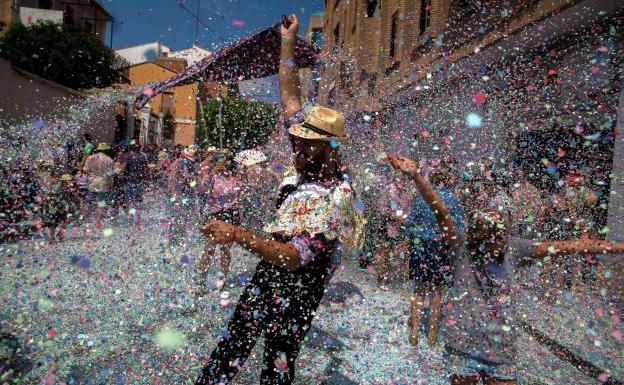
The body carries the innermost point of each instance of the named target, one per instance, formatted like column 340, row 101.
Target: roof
column 149, row 62
column 97, row 4
column 192, row 55
column 174, row 64
column 143, row 52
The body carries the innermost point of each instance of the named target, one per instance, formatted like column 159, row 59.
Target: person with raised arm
column 315, row 218
column 480, row 325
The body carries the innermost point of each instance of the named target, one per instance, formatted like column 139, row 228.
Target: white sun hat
column 250, row 158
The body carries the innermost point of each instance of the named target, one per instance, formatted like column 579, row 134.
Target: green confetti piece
column 108, row 232
column 168, row 338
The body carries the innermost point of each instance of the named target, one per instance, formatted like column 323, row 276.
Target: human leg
column 296, row 306
column 434, row 319
column 246, row 324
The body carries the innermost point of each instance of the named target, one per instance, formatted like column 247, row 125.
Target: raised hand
column 402, row 163
column 292, row 29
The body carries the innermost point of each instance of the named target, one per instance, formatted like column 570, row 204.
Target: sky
column 144, row 21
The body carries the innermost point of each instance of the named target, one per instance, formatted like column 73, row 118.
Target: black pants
column 279, row 303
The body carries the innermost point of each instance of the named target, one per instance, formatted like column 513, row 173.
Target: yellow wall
column 185, row 106
column 184, row 134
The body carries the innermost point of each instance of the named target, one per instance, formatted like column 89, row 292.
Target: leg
column 434, row 320
column 417, row 302
column 246, row 324
column 291, row 323
column 382, row 263
column 225, row 260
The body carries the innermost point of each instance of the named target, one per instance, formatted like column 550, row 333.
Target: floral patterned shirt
column 314, row 214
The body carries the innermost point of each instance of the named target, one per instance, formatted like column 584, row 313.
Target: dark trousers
column 279, row 303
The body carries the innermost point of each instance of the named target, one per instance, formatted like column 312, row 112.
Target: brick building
column 310, row 77
column 87, row 14
column 374, row 48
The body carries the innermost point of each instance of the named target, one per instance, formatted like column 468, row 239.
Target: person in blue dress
column 429, row 263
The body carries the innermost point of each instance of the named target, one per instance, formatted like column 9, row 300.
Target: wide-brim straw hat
column 67, row 178
column 103, row 147
column 321, row 123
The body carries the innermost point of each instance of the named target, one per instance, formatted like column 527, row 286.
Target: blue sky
column 143, row 21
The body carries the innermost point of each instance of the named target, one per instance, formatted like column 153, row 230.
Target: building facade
column 310, row 77
column 375, row 48
column 90, row 15
column 178, row 102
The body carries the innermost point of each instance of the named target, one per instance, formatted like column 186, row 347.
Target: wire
column 200, row 21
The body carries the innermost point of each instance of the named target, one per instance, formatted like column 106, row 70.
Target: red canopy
column 256, row 56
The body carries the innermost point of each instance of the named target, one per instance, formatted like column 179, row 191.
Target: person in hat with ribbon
column 316, row 216
column 99, row 169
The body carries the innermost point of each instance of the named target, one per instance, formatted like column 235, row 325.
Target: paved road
column 109, row 306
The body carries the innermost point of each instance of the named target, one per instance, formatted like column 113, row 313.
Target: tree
column 235, row 123
column 63, row 54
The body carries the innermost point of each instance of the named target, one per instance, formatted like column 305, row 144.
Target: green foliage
column 240, row 126
column 63, row 54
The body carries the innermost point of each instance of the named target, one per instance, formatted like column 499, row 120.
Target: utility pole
column 197, row 22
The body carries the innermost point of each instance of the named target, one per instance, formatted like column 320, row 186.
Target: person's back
column 422, row 222
column 99, row 169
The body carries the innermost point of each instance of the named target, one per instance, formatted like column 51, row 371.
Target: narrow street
column 110, row 307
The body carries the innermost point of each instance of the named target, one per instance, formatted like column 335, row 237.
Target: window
column 393, row 33
column 317, row 38
column 372, row 8
column 336, row 4
column 425, row 16
column 337, row 34
column 45, row 4
column 167, row 103
column 331, row 97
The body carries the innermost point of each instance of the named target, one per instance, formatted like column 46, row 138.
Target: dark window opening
column 393, row 33
column 336, row 4
column 45, row 4
column 372, row 8
column 425, row 16
column 331, row 97
column 393, row 69
column 317, row 37
column 167, row 103
column 337, row 34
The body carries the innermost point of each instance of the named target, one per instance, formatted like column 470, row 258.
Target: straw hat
column 67, row 178
column 321, row 123
column 103, row 147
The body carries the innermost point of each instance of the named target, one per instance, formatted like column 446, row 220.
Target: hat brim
column 301, row 132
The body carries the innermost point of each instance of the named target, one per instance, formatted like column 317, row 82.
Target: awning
column 252, row 57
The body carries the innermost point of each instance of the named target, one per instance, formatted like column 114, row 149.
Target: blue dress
column 429, row 259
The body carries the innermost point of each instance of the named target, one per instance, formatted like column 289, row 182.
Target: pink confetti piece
column 451, row 322
column 224, row 302
column 238, row 23
column 478, row 98
column 598, row 312
column 617, row 334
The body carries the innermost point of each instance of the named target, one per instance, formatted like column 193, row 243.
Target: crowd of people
column 460, row 240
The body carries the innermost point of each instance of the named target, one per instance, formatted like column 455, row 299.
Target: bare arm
column 582, row 246
column 290, row 90
column 433, row 200
column 278, row 253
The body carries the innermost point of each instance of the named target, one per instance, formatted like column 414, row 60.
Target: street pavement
column 113, row 306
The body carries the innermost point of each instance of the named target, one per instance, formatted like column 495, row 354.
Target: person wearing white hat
column 317, row 215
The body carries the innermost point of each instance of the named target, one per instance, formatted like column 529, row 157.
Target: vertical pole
column 112, row 23
column 197, row 22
